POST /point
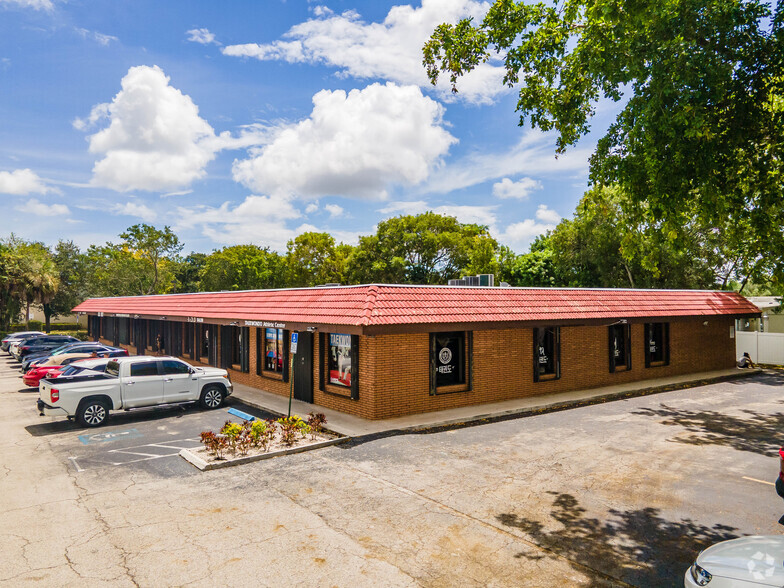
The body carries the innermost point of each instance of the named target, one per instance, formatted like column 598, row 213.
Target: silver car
column 755, row 561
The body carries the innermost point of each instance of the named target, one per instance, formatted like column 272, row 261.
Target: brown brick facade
column 394, row 370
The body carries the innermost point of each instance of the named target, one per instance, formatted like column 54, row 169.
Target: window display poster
column 273, row 350
column 448, row 359
column 340, row 359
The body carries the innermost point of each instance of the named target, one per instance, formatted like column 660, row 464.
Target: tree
column 34, row 275
column 423, row 249
column 313, row 259
column 144, row 262
column 243, row 267
column 72, row 273
column 535, row 269
column 187, row 272
column 701, row 134
column 157, row 247
column 9, row 303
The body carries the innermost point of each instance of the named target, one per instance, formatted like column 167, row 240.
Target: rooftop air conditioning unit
column 486, row 280
column 472, row 280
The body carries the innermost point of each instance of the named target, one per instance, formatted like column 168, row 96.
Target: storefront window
column 449, row 349
column 656, row 344
column 547, row 354
column 339, row 361
column 274, row 340
column 620, row 356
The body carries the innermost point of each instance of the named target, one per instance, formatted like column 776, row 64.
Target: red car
column 34, row 376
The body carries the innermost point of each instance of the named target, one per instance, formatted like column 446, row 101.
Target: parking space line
column 760, row 481
column 76, row 465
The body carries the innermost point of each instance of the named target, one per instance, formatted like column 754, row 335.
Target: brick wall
column 503, row 364
column 394, row 377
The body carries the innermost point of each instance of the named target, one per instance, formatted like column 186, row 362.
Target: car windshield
column 64, row 348
column 70, row 370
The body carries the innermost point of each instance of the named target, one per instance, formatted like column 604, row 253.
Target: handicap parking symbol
column 109, row 436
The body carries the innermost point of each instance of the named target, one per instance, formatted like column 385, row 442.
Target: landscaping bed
column 239, row 443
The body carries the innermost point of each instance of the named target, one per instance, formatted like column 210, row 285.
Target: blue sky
column 238, row 122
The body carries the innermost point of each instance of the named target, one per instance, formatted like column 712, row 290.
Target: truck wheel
column 211, row 397
column 92, row 413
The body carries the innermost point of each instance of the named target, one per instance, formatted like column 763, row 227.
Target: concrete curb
column 204, row 465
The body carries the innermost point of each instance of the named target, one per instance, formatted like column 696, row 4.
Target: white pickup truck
column 132, row 382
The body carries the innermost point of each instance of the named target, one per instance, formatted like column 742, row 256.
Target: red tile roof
column 384, row 304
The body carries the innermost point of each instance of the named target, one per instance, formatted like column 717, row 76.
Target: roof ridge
column 370, row 304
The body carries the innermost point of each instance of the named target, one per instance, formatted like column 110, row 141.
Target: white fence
column 762, row 347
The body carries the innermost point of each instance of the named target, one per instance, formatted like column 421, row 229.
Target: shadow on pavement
column 756, row 432
column 636, row 546
column 769, row 377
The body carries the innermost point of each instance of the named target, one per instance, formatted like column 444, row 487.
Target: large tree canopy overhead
column 702, row 131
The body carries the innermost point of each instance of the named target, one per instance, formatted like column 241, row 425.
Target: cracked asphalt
column 623, row 493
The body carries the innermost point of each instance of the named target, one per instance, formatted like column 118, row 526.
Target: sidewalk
column 353, row 426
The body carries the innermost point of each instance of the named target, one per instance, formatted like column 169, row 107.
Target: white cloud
column 311, row 208
column 405, row 208
column 519, row 236
column 135, row 209
column 520, row 189
column 37, row 208
column 482, row 215
column 353, row 145
column 258, row 219
column 22, row 182
column 389, row 50
column 177, row 193
column 322, row 11
column 533, row 155
column 96, row 36
column 203, row 36
column 547, row 215
column 34, row 4
column 334, row 210
column 155, row 140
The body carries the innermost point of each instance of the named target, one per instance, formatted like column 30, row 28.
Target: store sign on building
column 195, row 319
column 265, row 324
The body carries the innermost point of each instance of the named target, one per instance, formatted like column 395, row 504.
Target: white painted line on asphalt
column 76, row 465
column 760, row 481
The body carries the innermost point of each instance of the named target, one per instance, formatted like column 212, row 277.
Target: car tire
column 92, row 413
column 211, row 397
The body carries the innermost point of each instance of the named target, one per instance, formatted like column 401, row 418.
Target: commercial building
column 379, row 351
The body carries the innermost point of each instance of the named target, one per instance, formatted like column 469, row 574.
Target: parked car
column 41, row 343
column 78, row 347
column 753, row 561
column 132, row 382
column 81, row 367
column 11, row 337
column 56, row 363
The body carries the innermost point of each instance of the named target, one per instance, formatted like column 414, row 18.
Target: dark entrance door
column 303, row 368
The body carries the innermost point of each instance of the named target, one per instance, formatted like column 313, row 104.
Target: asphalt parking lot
column 148, row 439
column 616, row 494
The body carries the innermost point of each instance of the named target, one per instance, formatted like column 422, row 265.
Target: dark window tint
column 656, row 344
column 145, row 369
column 546, row 353
column 113, row 368
column 620, row 357
column 175, row 367
column 449, row 358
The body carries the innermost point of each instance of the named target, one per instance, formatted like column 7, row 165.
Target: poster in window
column 340, row 359
column 449, row 353
column 545, row 351
column 273, row 350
